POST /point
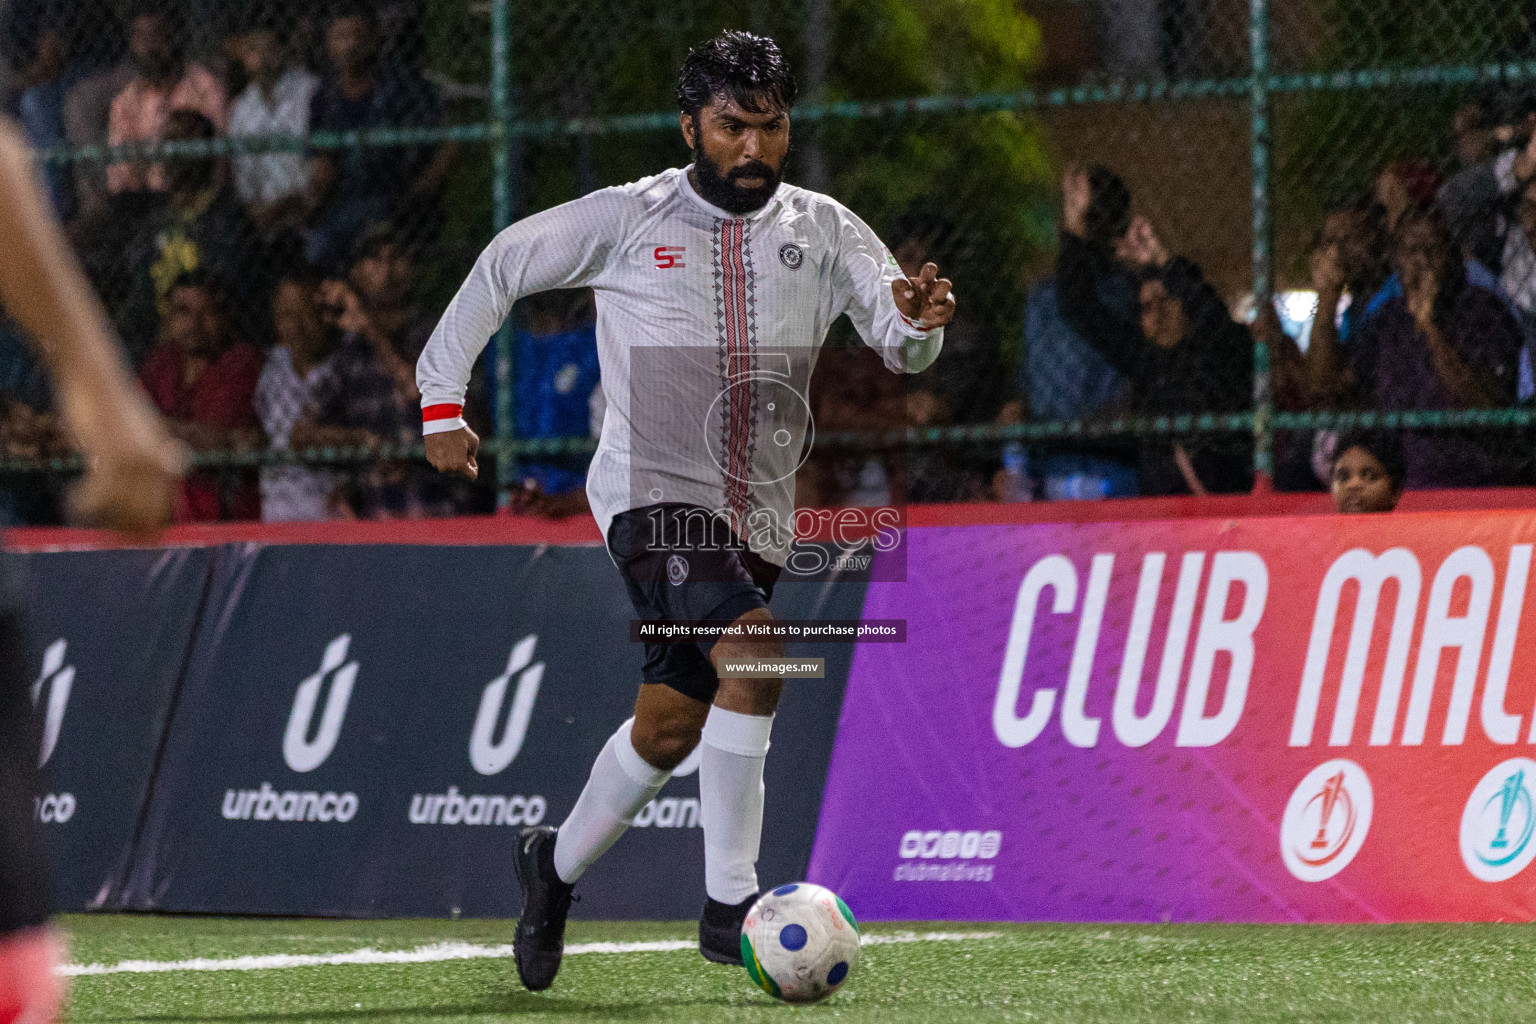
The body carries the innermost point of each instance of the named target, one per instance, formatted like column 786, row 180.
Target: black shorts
column 681, row 565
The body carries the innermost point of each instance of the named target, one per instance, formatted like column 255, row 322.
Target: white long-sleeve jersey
column 708, row 327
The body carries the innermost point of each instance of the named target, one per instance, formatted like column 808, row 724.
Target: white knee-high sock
column 731, row 801
column 620, row 784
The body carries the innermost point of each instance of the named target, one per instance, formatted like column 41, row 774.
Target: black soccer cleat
column 720, row 930
column 539, row 941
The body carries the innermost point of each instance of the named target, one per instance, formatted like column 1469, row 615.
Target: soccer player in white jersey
column 700, row 274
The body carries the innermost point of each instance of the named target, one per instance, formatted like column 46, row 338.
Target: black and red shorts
column 682, row 563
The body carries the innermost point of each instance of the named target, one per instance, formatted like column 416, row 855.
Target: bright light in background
column 1296, row 310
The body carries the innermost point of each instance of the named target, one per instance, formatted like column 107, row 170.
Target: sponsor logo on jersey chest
column 669, row 257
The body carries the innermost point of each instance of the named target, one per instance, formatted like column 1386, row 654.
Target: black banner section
column 362, row 730
column 110, row 631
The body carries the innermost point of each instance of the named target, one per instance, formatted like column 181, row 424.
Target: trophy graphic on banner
column 1330, row 794
column 1508, row 795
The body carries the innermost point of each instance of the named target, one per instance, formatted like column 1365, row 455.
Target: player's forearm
column 45, row 291
column 474, row 315
column 564, row 247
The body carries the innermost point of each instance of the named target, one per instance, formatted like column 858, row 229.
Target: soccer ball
column 800, row 942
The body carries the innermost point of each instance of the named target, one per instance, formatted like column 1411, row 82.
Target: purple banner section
column 927, row 816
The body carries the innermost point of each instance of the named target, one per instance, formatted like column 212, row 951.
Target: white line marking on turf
column 441, row 951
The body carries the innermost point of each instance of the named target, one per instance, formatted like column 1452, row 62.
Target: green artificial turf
column 1072, row 973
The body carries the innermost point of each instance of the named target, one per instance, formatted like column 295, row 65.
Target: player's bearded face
column 722, row 188
column 732, row 148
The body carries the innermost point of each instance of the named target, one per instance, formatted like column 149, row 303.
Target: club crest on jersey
column 677, row 569
column 791, row 255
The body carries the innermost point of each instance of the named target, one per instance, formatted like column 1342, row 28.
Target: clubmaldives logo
column 1326, row 820
column 1498, row 822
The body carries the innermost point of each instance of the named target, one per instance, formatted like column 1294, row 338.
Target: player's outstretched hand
column 133, row 465
column 927, row 298
column 454, row 451
column 132, row 474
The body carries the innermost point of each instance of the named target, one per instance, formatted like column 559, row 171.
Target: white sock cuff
column 636, row 767
column 735, row 733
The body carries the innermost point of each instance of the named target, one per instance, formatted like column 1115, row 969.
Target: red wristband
column 441, row 412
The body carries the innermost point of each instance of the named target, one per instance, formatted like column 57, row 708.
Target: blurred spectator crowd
column 1424, row 294
column 272, row 298
column 1425, row 299
column 268, row 298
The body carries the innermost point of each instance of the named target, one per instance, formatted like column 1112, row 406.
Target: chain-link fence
column 382, row 143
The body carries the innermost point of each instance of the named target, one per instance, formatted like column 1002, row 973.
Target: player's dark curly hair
column 749, row 69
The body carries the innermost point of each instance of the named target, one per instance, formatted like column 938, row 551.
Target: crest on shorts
column 677, row 569
column 791, row 255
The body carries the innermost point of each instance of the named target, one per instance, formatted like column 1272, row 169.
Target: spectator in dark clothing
column 1472, row 132
column 1474, row 200
column 385, row 331
column 1349, row 258
column 202, row 380
column 929, row 474
column 358, row 403
column 1349, row 270
column 1404, row 185
column 368, row 398
column 350, row 189
column 28, row 430
column 49, row 40
column 1444, row 343
column 1066, row 378
column 198, row 225
column 1187, row 354
column 383, row 280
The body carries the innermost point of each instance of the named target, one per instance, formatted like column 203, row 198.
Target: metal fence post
column 1263, row 238
column 501, row 196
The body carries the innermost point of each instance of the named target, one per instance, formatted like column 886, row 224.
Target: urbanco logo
column 487, row 754
column 1498, row 822
column 1326, row 820
column 58, row 678
column 302, row 753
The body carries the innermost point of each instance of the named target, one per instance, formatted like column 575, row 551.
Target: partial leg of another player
column 30, row 992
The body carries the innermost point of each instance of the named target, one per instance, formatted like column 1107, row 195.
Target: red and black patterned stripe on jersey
column 736, row 340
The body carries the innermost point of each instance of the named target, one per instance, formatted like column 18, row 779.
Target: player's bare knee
column 665, row 742
column 750, row 696
column 745, row 646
